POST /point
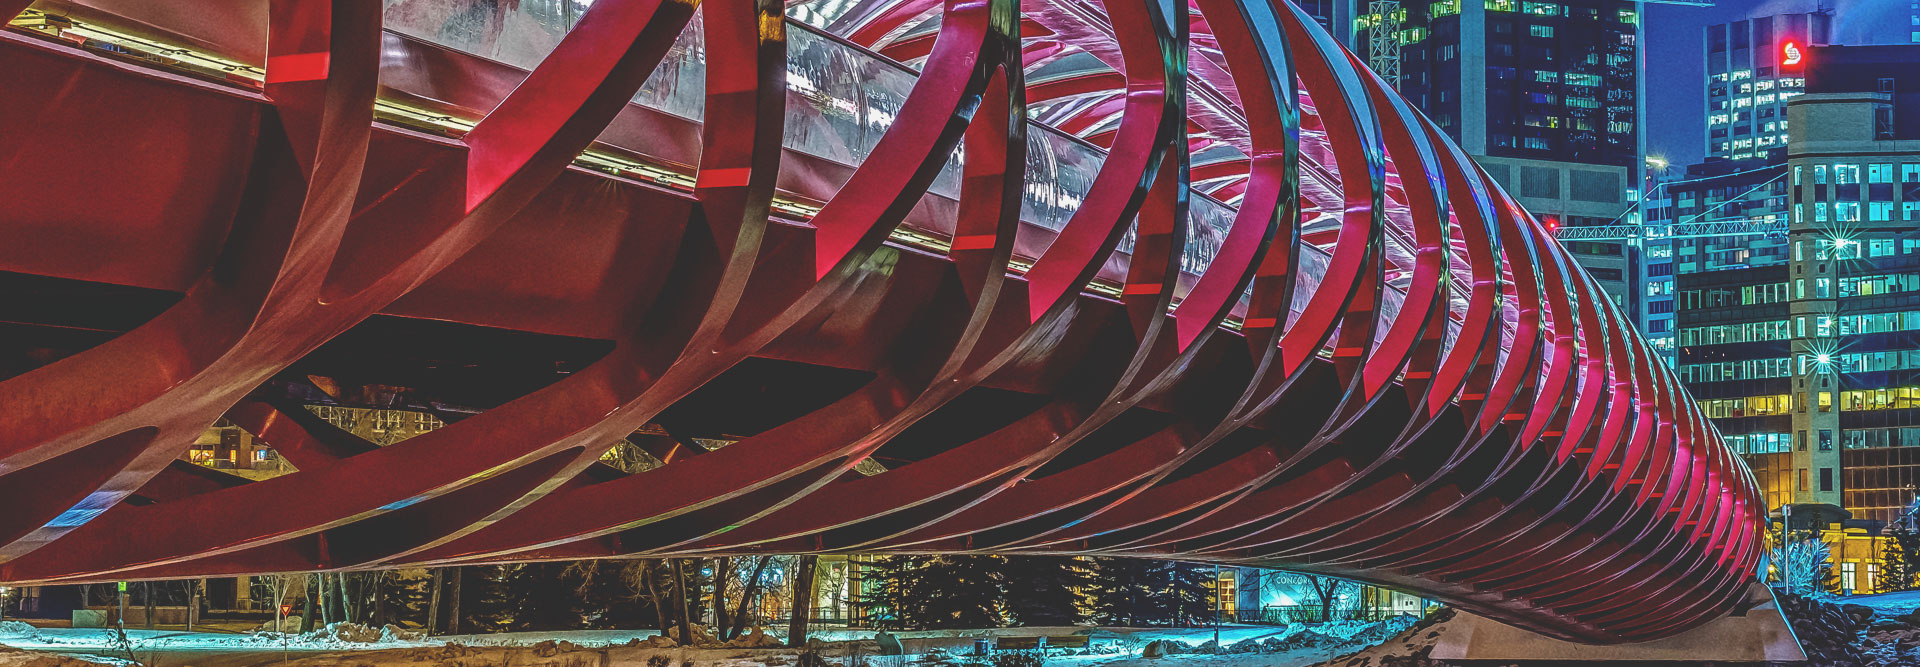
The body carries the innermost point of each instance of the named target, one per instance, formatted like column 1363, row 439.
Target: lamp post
column 1786, row 563
column 1216, row 606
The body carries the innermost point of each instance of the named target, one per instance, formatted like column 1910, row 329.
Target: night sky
column 1675, row 51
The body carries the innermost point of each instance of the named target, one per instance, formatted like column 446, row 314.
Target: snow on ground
column 1288, row 646
column 1884, row 603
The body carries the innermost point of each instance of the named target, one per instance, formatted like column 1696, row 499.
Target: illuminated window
column 1542, row 8
column 1229, row 591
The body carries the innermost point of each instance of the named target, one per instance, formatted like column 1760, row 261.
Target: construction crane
column 1685, row 230
column 1383, row 39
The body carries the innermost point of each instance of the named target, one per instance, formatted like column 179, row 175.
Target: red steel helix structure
column 1158, row 279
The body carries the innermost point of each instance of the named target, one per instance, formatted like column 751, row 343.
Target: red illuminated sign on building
column 1791, row 56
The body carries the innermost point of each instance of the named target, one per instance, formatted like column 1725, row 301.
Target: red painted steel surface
column 1497, row 436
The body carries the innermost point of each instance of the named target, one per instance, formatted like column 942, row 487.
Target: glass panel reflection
column 841, row 101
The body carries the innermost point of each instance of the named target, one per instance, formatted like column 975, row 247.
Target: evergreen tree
column 402, row 599
column 547, row 599
column 485, row 603
column 960, row 591
column 1141, row 593
column 1123, row 592
column 935, row 592
column 889, row 601
column 1046, row 590
column 1189, row 594
column 1895, row 572
column 613, row 594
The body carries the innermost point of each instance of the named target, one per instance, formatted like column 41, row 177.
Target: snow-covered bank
column 1885, row 603
column 341, row 644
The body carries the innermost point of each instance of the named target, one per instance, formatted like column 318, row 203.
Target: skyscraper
column 1753, row 67
column 1337, row 16
column 1545, row 96
column 1802, row 348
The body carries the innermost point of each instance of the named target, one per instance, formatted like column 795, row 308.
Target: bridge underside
column 1248, row 308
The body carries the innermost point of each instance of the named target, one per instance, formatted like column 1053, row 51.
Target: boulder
column 889, row 643
column 352, row 633
column 391, row 632
column 760, row 639
column 656, row 641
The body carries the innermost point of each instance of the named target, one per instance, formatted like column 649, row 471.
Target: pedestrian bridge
column 1057, row 277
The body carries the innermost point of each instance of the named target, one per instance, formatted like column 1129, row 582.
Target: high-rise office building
column 1913, row 35
column 1545, row 96
column 1753, row 67
column 1747, row 194
column 1337, row 16
column 1805, row 350
column 1654, row 305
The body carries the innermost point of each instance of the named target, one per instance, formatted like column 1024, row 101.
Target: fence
column 1305, row 613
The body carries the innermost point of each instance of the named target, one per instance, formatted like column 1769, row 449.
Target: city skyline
column 1674, row 39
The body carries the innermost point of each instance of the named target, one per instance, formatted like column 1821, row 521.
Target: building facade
column 1545, row 97
column 1754, row 66
column 1805, row 348
column 1855, row 290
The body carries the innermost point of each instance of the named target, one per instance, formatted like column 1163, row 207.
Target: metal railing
column 1313, row 613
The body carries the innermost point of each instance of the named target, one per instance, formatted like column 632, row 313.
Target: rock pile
column 656, row 641
column 756, row 639
column 1829, row 633
column 336, row 633
column 1408, row 647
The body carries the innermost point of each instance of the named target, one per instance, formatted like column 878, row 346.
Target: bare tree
column 802, row 600
column 650, row 575
column 453, row 590
column 433, row 601
column 747, row 595
column 680, row 600
column 1329, row 591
